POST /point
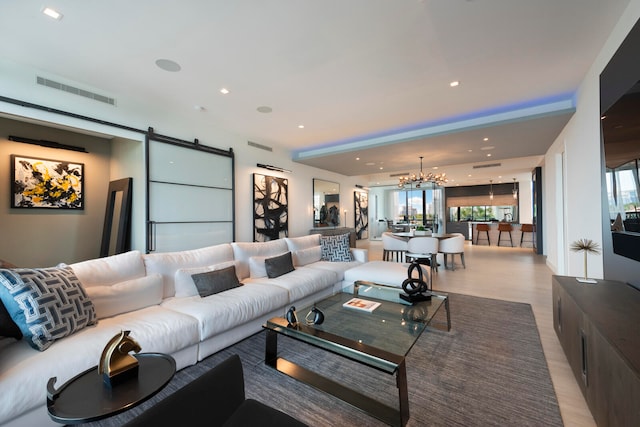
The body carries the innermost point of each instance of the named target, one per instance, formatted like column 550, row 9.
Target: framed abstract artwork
column 270, row 207
column 45, row 183
column 361, row 212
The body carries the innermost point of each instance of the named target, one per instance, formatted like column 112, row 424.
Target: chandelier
column 418, row 180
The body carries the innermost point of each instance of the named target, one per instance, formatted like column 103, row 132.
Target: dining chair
column 452, row 246
column 393, row 248
column 424, row 249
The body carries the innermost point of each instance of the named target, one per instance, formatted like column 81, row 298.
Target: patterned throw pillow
column 47, row 304
column 335, row 248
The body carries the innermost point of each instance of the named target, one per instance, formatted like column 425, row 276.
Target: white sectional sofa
column 153, row 296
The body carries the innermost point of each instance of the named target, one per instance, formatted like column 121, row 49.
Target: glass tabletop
column 380, row 338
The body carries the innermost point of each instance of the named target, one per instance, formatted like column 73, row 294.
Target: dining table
column 408, row 235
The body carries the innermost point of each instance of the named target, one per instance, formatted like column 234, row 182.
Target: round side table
column 86, row 397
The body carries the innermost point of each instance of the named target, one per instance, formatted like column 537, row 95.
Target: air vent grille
column 393, row 175
column 75, row 91
column 488, row 165
column 260, row 146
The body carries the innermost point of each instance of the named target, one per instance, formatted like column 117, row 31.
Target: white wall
column 580, row 143
column 19, row 83
column 46, row 237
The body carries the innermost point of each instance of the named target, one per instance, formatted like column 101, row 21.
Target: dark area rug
column 489, row 370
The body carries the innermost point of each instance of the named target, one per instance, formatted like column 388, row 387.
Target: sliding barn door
column 190, row 195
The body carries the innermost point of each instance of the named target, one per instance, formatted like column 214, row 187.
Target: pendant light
column 490, row 189
column 515, row 190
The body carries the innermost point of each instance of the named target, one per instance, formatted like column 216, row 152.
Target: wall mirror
column 116, row 234
column 326, row 203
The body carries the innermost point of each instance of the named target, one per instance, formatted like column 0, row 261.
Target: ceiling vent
column 260, row 146
column 488, row 165
column 75, row 91
column 393, row 175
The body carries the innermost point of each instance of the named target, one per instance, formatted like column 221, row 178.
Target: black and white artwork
column 361, row 212
column 270, row 207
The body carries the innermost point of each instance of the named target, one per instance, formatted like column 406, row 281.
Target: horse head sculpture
column 116, row 364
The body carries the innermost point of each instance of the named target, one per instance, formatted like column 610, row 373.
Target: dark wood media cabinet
column 599, row 329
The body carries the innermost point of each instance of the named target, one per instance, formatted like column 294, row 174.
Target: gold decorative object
column 116, row 364
column 587, row 246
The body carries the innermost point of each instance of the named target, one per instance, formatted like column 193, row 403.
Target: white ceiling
column 358, row 74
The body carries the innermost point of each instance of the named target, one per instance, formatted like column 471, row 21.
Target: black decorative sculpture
column 416, row 289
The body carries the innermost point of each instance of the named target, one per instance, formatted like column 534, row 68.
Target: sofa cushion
column 8, row 327
column 216, row 281
column 47, row 304
column 110, row 270
column 257, row 268
column 126, row 296
column 168, row 263
column 338, row 267
column 301, row 282
column 243, row 251
column 184, row 285
column 306, row 256
column 224, row 311
column 335, row 248
column 302, row 242
column 278, row 265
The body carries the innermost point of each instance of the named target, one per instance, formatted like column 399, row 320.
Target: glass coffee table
column 380, row 339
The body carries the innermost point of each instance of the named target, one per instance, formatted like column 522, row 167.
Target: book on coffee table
column 361, row 304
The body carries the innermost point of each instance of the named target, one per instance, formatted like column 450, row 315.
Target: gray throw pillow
column 216, row 281
column 278, row 265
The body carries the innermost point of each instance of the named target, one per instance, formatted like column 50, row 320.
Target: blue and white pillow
column 46, row 303
column 335, row 248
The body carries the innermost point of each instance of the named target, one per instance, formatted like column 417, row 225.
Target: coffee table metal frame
column 374, row 357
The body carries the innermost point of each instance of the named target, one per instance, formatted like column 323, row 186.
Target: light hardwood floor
column 514, row 274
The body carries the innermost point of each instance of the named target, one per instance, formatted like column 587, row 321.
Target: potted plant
column 587, row 246
column 420, row 231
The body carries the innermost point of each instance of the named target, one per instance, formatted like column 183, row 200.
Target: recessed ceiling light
column 435, row 168
column 381, row 168
column 357, row 158
column 168, row 65
column 469, row 175
column 370, row 164
column 454, row 83
column 489, row 155
column 264, row 109
column 224, row 91
column 470, row 151
column 499, row 176
column 485, row 139
column 52, row 13
column 488, row 147
column 301, row 126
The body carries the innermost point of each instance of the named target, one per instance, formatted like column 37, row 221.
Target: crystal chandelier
column 418, row 180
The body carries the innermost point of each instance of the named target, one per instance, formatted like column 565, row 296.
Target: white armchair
column 393, row 247
column 452, row 246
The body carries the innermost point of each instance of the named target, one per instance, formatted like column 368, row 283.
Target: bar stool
column 485, row 228
column 526, row 228
column 507, row 228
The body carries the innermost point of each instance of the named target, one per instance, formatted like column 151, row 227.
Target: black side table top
column 86, row 397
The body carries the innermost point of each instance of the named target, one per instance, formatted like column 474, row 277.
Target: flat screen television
column 620, row 121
